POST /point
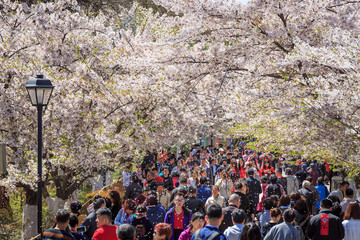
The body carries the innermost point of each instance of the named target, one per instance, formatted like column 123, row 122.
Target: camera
column 81, row 229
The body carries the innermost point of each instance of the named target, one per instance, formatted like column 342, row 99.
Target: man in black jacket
column 240, row 190
column 90, row 221
column 193, row 203
column 134, row 189
column 234, row 203
column 254, row 189
column 325, row 226
column 168, row 181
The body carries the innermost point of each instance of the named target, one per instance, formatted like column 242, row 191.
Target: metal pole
column 39, row 194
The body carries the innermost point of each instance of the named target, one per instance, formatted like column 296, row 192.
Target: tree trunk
column 53, row 204
column 29, row 219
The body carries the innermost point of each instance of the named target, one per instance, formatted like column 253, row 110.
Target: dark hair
column 320, row 181
column 309, row 178
column 275, row 212
column 151, row 200
column 289, row 215
column 284, row 200
column 250, row 231
column 126, row 232
column 275, row 199
column 238, row 216
column 180, row 194
column 129, row 204
column 203, row 180
column 278, row 170
column 336, row 209
column 214, row 211
column 238, row 185
column 164, row 229
column 98, row 203
column 134, row 178
column 250, row 172
column 343, row 183
column 74, row 221
column 62, row 216
column 326, row 203
column 349, row 192
column 175, row 174
column 141, row 208
column 334, row 198
column 268, row 203
column 352, row 211
column 273, row 178
column 197, row 215
column 107, row 202
column 288, row 171
column 104, row 212
column 116, row 197
column 75, row 206
column 294, row 196
column 263, row 179
column 183, row 180
column 301, row 207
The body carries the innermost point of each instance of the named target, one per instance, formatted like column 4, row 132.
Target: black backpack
column 283, row 182
column 274, row 189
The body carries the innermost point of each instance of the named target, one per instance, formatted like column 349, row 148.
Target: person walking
column 238, row 217
column 285, row 230
column 197, row 222
column 178, row 217
column 105, row 228
column 323, row 191
column 214, row 216
column 325, row 225
column 234, row 203
column 58, row 232
column 254, row 190
column 351, row 221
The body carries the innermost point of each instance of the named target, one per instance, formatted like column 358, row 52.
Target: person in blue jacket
column 323, row 191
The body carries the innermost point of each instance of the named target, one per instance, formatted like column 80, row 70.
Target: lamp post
column 39, row 91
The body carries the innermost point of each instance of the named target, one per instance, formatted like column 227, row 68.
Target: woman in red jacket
column 266, row 169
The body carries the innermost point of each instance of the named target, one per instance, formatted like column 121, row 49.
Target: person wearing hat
column 105, row 229
column 193, row 203
column 144, row 228
column 163, row 195
column 178, row 217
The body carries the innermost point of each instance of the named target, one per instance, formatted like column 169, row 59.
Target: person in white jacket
column 292, row 184
column 225, row 184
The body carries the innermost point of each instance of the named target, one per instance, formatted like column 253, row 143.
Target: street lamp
column 39, row 91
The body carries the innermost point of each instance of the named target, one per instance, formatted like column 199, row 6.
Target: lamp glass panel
column 47, row 95
column 43, row 95
column 32, row 95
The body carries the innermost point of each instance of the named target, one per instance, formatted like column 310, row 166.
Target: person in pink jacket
column 197, row 222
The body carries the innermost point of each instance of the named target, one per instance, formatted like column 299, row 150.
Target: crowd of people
column 218, row 194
